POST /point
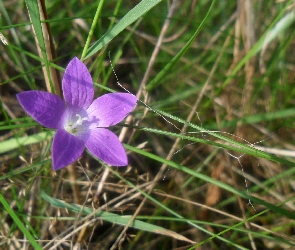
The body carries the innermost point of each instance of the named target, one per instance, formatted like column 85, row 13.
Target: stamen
column 80, row 119
column 78, row 122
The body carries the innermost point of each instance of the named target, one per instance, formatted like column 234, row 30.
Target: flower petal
column 106, row 146
column 77, row 85
column 46, row 108
column 66, row 148
column 109, row 109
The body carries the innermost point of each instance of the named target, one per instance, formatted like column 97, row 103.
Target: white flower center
column 73, row 126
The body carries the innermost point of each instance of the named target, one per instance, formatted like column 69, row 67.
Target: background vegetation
column 210, row 144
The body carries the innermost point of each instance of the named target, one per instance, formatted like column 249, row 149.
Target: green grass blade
column 243, row 148
column 14, row 143
column 18, row 171
column 208, row 179
column 257, row 118
column 156, row 81
column 90, row 34
column 139, row 10
column 33, row 10
column 169, row 210
column 19, row 223
column 113, row 218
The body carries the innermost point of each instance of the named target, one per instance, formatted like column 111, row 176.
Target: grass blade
column 113, row 218
column 14, row 143
column 139, row 10
column 19, row 224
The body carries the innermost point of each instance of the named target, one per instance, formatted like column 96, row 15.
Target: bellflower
column 79, row 120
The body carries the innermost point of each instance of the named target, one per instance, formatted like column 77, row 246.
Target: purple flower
column 79, row 121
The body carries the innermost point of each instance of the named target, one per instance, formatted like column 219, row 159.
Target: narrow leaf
column 156, row 81
column 19, row 224
column 14, row 143
column 139, row 10
column 275, row 208
column 114, row 218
